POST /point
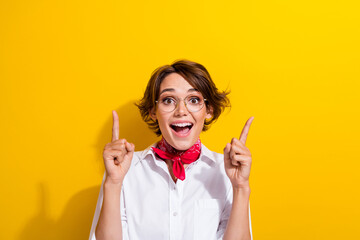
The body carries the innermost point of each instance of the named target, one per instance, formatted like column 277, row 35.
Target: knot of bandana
column 165, row 151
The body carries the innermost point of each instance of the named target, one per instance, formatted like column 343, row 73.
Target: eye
column 194, row 100
column 167, row 101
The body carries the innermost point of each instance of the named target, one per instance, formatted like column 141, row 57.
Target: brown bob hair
column 198, row 77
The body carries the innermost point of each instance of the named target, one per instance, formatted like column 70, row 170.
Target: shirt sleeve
column 98, row 209
column 226, row 214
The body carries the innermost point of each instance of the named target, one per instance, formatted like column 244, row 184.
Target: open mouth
column 181, row 128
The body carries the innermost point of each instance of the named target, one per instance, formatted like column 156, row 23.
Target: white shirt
column 154, row 207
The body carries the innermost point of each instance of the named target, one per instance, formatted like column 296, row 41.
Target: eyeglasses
column 192, row 103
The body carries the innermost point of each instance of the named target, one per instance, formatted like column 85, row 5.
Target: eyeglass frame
column 178, row 100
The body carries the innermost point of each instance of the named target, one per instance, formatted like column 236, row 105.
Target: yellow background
column 293, row 65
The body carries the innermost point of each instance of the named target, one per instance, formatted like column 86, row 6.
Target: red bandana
column 165, row 151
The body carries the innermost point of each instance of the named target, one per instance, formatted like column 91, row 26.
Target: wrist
column 113, row 183
column 241, row 193
column 244, row 187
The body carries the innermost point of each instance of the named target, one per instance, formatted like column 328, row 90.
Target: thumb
column 227, row 154
column 130, row 147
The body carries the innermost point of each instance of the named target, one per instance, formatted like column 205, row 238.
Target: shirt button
column 175, row 214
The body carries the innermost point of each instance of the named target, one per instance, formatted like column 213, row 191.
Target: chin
column 182, row 144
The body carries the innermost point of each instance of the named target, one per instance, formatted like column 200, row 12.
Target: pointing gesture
column 115, row 129
column 237, row 158
column 117, row 155
column 245, row 131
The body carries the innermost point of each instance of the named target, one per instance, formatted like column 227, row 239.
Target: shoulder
column 213, row 174
column 214, row 164
column 217, row 158
column 142, row 154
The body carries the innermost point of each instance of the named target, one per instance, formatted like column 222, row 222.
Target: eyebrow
column 173, row 90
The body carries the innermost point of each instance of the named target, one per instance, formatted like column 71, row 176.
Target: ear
column 152, row 114
column 209, row 112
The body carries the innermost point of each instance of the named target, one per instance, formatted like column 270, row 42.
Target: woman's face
column 180, row 128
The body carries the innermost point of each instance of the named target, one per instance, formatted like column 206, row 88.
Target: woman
column 176, row 188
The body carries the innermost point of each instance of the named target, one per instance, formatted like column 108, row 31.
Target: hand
column 237, row 159
column 117, row 155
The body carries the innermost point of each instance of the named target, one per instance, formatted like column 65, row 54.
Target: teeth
column 181, row 124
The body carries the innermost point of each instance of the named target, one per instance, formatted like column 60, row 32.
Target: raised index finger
column 115, row 129
column 245, row 131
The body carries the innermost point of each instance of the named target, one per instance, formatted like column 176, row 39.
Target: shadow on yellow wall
column 76, row 219
column 73, row 224
column 131, row 126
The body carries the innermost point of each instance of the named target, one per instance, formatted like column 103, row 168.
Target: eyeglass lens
column 192, row 103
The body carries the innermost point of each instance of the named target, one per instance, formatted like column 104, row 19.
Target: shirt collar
column 205, row 153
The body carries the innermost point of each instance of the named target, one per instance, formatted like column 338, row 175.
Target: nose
column 181, row 108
